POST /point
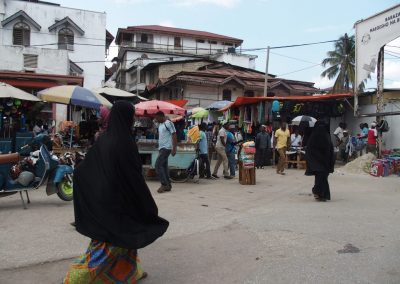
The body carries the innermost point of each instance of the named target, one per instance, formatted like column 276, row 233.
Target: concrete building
column 43, row 45
column 202, row 82
column 143, row 45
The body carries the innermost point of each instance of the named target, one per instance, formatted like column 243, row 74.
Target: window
column 21, row 34
column 144, row 38
column 177, row 42
column 226, row 95
column 249, row 94
column 200, row 40
column 66, row 39
column 30, row 61
column 126, row 38
column 228, row 44
column 212, row 42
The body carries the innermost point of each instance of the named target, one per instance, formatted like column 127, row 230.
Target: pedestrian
column 320, row 159
column 338, row 134
column 263, row 144
column 103, row 121
column 37, row 129
column 363, row 137
column 230, row 149
column 204, row 166
column 343, row 149
column 282, row 143
column 371, row 139
column 220, row 149
column 209, row 134
column 296, row 142
column 167, row 142
column 113, row 206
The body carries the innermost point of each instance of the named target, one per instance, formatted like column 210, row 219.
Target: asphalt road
column 223, row 232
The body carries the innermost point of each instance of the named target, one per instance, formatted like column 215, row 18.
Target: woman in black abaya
column 320, row 160
column 113, row 206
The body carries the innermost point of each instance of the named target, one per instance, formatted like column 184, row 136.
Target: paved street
column 222, row 232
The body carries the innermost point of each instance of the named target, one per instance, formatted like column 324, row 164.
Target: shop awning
column 179, row 103
column 240, row 101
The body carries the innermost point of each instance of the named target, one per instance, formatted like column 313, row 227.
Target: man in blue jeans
column 230, row 150
column 167, row 142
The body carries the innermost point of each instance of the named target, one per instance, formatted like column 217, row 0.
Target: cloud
column 222, row 3
column 322, row 82
column 322, row 29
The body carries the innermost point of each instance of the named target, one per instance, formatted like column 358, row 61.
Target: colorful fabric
column 104, row 263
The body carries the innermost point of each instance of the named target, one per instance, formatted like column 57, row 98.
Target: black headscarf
column 320, row 156
column 111, row 199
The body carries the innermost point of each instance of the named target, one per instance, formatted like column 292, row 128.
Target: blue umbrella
column 218, row 105
column 74, row 95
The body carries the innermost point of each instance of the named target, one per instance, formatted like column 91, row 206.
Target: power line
column 294, row 58
column 306, row 68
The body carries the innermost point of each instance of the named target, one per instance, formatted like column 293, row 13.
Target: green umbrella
column 200, row 114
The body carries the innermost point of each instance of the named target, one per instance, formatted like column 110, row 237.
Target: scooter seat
column 9, row 158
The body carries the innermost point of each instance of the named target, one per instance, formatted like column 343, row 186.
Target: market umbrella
column 200, row 114
column 152, row 107
column 304, row 120
column 218, row 105
column 8, row 91
column 117, row 93
column 74, row 95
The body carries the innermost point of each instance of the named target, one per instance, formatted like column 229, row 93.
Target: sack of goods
column 194, row 134
column 249, row 147
column 247, row 154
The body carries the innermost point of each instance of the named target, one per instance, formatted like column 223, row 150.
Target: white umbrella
column 117, row 93
column 8, row 91
column 304, row 120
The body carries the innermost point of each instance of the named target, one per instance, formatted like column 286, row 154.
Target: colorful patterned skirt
column 105, row 263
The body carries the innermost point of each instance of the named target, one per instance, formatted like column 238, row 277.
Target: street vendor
column 167, row 143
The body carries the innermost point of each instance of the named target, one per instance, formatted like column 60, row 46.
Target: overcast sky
column 259, row 23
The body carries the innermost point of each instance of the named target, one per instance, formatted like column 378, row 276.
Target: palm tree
column 341, row 62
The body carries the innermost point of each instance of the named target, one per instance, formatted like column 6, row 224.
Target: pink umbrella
column 152, row 107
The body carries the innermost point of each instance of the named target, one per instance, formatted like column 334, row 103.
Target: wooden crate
column 247, row 176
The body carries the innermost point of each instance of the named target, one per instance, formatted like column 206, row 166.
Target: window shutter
column 18, row 37
column 26, row 37
column 30, row 61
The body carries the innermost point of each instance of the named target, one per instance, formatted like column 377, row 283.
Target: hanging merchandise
column 275, row 106
column 241, row 116
column 261, row 112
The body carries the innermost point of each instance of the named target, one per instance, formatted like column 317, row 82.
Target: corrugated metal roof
column 186, row 32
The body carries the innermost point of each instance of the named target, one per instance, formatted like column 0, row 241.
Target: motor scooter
column 46, row 169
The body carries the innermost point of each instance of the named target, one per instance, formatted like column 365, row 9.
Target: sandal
column 144, row 276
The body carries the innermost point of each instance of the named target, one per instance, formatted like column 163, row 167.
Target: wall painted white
column 93, row 24
column 12, row 59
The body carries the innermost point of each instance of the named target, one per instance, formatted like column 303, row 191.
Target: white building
column 47, row 39
column 142, row 45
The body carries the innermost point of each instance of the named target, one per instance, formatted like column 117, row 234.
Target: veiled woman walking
column 113, row 206
column 320, row 159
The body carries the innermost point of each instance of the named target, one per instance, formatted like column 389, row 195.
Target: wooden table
column 298, row 161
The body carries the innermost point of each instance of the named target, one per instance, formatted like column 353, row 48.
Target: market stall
column 148, row 144
column 83, row 107
column 250, row 112
column 16, row 106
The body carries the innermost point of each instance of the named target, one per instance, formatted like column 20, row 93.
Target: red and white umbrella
column 152, row 107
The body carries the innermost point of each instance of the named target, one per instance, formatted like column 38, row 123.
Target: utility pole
column 266, row 74
column 379, row 96
column 139, row 63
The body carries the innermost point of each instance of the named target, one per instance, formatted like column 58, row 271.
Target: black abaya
column 111, row 199
column 320, row 159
